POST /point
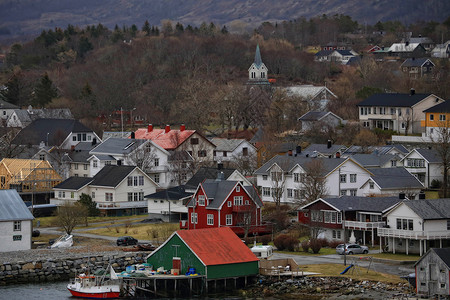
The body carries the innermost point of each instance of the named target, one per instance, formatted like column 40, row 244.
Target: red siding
column 319, row 205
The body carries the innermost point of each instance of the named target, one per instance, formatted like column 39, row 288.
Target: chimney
column 133, row 136
column 219, row 166
column 338, row 154
column 167, row 129
column 94, row 141
column 290, row 152
column 402, row 196
column 412, row 92
column 182, row 127
column 421, row 196
column 298, row 149
column 329, row 144
column 150, row 128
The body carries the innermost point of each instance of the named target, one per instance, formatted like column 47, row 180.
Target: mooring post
column 190, row 286
column 154, row 285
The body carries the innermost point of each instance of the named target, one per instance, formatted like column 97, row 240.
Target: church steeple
column 257, row 73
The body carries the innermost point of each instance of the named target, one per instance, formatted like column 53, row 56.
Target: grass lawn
column 51, row 221
column 410, row 257
column 157, row 232
column 356, row 274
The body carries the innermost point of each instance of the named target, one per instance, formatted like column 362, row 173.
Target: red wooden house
column 226, row 203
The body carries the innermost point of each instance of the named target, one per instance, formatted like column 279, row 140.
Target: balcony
column 414, row 235
column 363, row 225
column 183, row 224
column 242, row 208
column 122, row 205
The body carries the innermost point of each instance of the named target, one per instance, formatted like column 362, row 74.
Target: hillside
column 22, row 18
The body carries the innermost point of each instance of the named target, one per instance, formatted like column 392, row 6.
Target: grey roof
column 421, row 40
column 286, row 163
column 415, row 62
column 430, row 209
column 308, row 91
column 389, row 178
column 73, row 183
column 430, row 155
column 376, row 149
column 57, row 130
column 104, row 157
column 7, row 105
column 173, row 193
column 443, row 107
column 12, row 207
column 356, row 203
column 80, row 153
column 217, row 191
column 393, row 100
column 118, row 146
column 324, row 53
column 223, row 144
column 354, row 60
column 313, row 116
column 111, row 175
column 258, row 60
column 181, row 155
column 373, row 160
column 344, row 52
column 323, row 149
column 444, row 254
column 207, row 173
column 258, row 136
column 116, row 134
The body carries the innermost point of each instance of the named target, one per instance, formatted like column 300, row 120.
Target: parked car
column 126, row 240
column 352, row 249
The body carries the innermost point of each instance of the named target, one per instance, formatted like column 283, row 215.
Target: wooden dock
column 168, row 286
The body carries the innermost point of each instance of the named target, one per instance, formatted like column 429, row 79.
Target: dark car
column 126, row 240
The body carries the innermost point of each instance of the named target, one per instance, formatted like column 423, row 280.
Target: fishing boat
column 96, row 287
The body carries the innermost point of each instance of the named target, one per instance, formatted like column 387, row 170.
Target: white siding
column 6, row 236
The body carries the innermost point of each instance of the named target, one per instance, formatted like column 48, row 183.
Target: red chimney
column 150, row 128
column 182, row 127
column 167, row 128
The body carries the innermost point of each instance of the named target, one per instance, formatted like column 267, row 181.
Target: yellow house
column 27, row 175
column 437, row 119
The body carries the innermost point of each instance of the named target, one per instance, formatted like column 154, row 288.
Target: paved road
column 399, row 270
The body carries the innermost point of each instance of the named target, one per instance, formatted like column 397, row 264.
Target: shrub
column 305, row 246
column 334, row 244
column 323, row 242
column 435, row 184
column 286, row 242
column 266, row 239
column 279, row 241
column 315, row 245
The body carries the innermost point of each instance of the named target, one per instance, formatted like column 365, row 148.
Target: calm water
column 51, row 291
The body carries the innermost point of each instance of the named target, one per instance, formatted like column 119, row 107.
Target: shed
column 214, row 252
column 433, row 272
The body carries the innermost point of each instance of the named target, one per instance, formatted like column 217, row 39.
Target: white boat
column 95, row 287
column 64, row 241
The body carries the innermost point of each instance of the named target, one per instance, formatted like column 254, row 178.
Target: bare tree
column 314, row 181
column 70, row 215
column 246, row 164
column 441, row 143
column 143, row 156
column 278, row 183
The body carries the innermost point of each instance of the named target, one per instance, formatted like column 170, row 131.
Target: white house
column 320, row 120
column 15, row 222
column 416, row 225
column 169, row 205
column 117, row 190
column 391, row 182
column 284, row 176
column 232, row 149
column 433, row 273
column 425, row 164
column 6, row 109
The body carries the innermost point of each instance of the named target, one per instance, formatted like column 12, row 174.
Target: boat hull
column 99, row 295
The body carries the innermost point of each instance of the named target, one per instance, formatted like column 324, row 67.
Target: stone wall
column 64, row 269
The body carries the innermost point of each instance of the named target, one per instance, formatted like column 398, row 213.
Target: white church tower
column 257, row 73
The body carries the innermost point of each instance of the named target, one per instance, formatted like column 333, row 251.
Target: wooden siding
column 233, row 270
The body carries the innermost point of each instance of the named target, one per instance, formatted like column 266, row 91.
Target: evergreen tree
column 12, row 91
column 89, row 204
column 44, row 91
column 146, row 27
column 84, row 46
column 134, row 30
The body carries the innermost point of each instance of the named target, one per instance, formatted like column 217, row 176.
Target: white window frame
column 17, row 226
column 229, row 219
column 194, row 218
column 201, row 200
column 210, row 219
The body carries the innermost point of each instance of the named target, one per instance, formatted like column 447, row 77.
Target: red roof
column 217, row 246
column 168, row 140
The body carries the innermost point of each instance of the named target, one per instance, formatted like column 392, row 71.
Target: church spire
column 258, row 60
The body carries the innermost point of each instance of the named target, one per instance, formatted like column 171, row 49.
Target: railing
column 410, row 234
column 363, row 225
column 115, row 205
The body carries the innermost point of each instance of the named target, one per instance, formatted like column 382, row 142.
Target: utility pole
column 121, row 119
column 345, row 245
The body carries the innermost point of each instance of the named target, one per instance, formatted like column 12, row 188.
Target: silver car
column 352, row 249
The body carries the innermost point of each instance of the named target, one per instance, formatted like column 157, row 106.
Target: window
column 352, row 177
column 225, row 153
column 156, row 178
column 72, row 194
column 210, row 219
column 130, row 181
column 141, row 180
column 366, row 124
column 266, row 191
column 75, row 166
column 247, row 202
column 156, row 162
column 405, row 224
column 296, row 194
column 93, row 195
column 238, row 200
column 407, row 111
column 393, row 163
column 201, row 153
column 245, row 151
column 264, row 177
column 17, row 225
column 343, row 192
column 431, row 117
column 448, row 224
column 289, row 193
column 108, row 197
column 194, row 218
column 136, row 197
column 392, row 111
column 441, row 117
column 141, row 196
column 95, row 163
column 135, row 180
column 194, row 141
column 201, row 200
column 238, row 188
column 276, row 176
column 85, row 167
column 41, row 156
column 343, row 178
column 229, row 203
column 263, row 74
column 229, row 219
column 74, row 138
column 107, row 163
column 296, row 177
column 352, row 192
column 130, row 197
column 415, row 163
